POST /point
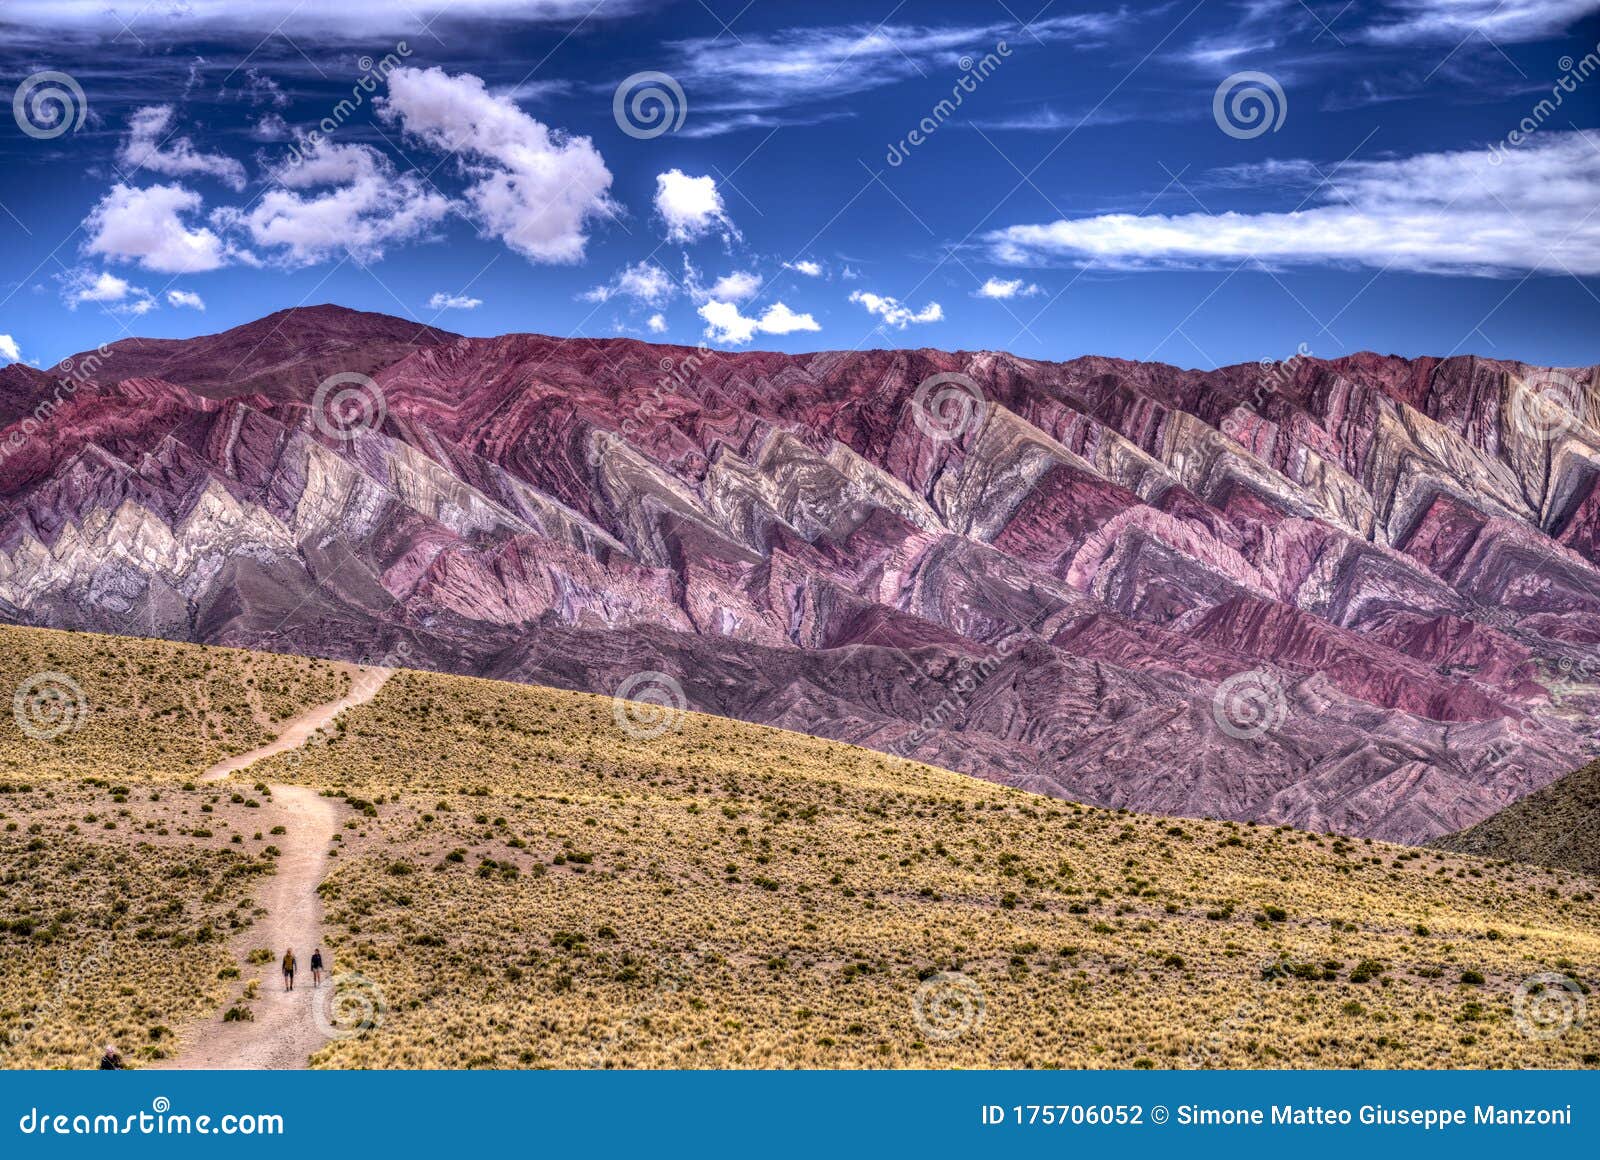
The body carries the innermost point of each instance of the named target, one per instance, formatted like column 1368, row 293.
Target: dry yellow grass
column 523, row 883
column 528, row 885
column 128, row 707
column 121, row 886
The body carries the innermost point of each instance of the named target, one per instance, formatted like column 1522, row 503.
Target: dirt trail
column 288, row 1025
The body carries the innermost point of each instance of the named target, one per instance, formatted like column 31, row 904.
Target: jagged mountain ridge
column 1050, row 587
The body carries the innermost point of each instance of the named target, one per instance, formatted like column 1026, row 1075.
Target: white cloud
column 643, row 281
column 102, row 287
column 1521, row 208
column 346, row 22
column 691, row 207
column 185, row 299
column 534, row 188
column 148, row 226
column 656, row 324
column 893, row 312
column 756, row 73
column 1007, row 288
column 724, row 323
column 354, row 202
column 805, row 266
column 1502, row 21
column 443, row 301
column 10, row 352
column 735, row 287
column 270, row 127
column 152, row 144
column 107, row 291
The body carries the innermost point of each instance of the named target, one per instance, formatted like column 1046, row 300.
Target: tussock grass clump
column 530, row 886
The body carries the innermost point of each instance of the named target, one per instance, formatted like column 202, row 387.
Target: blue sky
column 1198, row 183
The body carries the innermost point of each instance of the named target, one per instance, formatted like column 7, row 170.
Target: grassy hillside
column 1558, row 825
column 74, row 703
column 526, row 884
column 519, row 881
column 122, row 888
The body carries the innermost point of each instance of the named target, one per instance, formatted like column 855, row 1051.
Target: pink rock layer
column 1357, row 594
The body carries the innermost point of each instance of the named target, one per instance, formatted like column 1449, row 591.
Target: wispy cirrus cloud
column 754, row 77
column 153, row 144
column 1531, row 208
column 1502, row 21
column 127, row 19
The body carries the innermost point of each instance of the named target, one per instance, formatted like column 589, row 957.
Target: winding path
column 286, row 1028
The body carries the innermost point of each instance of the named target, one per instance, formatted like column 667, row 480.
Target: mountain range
column 1359, row 594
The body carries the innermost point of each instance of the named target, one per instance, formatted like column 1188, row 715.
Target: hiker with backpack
column 288, row 969
column 316, row 967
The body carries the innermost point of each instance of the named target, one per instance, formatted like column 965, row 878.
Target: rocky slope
column 1359, row 594
column 1558, row 825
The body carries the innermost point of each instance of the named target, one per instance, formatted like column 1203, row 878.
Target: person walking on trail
column 112, row 1060
column 288, row 969
column 316, row 967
